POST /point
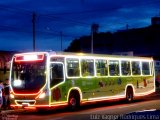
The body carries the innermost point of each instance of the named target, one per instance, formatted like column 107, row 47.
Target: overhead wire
column 56, row 18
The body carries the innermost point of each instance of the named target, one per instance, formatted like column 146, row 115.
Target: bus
column 54, row 79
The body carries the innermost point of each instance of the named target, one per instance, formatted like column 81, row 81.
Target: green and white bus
column 52, row 79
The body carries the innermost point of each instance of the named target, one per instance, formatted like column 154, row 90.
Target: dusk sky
column 71, row 17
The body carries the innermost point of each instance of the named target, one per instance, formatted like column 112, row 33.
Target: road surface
column 106, row 111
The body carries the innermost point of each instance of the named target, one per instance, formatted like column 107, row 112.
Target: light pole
column 34, row 32
column 92, row 39
column 94, row 30
column 61, row 41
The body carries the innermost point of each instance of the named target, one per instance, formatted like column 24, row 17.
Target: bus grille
column 29, row 102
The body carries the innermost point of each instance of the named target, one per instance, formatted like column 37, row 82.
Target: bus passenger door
column 56, row 82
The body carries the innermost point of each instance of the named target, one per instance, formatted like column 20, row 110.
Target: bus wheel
column 129, row 94
column 74, row 101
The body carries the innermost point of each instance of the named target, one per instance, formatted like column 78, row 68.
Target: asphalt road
column 105, row 111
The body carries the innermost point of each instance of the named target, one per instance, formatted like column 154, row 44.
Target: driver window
column 56, row 74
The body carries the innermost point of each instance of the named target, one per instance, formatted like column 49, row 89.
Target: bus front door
column 56, row 82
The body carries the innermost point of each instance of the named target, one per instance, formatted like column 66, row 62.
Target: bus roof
column 66, row 54
column 99, row 55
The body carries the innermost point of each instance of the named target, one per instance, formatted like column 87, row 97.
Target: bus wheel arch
column 74, row 99
column 129, row 93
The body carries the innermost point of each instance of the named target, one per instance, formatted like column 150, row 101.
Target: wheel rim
column 73, row 102
column 129, row 96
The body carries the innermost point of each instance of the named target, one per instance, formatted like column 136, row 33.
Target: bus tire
column 129, row 94
column 74, row 100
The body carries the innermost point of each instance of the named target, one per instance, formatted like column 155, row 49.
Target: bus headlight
column 17, row 83
column 42, row 95
column 11, row 95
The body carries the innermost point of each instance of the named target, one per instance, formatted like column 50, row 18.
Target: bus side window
column 125, row 68
column 114, row 67
column 73, row 67
column 145, row 68
column 101, row 67
column 136, row 70
column 56, row 75
column 87, row 67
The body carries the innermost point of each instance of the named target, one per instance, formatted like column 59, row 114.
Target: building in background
column 5, row 58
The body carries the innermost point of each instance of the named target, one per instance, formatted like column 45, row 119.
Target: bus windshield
column 28, row 77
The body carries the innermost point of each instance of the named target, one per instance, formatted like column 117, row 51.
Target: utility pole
column 94, row 30
column 34, row 32
column 61, row 40
column 91, row 39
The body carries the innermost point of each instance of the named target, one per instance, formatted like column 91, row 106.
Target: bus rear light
column 29, row 57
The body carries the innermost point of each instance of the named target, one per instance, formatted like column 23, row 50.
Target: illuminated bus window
column 73, row 67
column 125, row 68
column 101, row 67
column 145, row 68
column 114, row 67
column 87, row 67
column 136, row 70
